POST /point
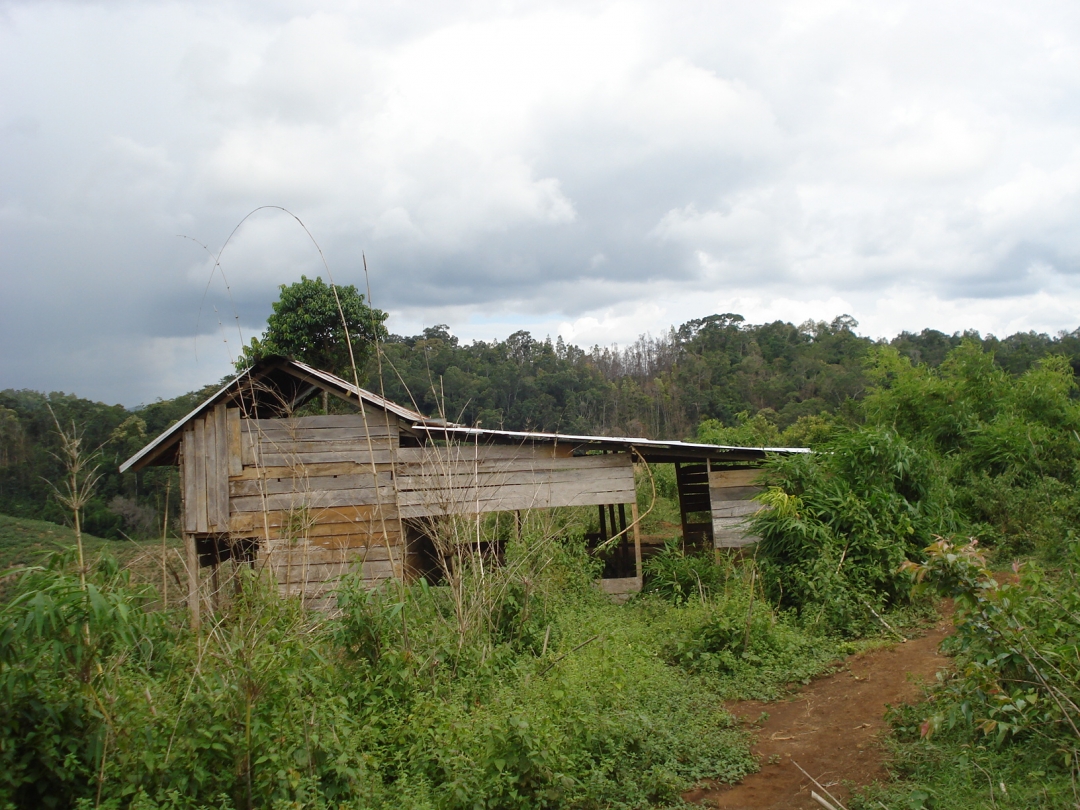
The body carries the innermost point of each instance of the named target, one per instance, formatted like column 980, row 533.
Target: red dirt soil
column 831, row 728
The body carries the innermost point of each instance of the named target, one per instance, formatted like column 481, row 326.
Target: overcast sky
column 595, row 170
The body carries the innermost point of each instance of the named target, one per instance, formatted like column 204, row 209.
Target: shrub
column 841, row 522
column 1017, row 671
column 679, row 577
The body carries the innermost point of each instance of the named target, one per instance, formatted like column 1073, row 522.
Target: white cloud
column 599, row 169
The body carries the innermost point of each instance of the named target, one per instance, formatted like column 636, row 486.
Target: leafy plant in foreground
column 1018, row 673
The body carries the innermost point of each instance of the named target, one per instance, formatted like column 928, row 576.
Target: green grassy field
column 28, row 542
column 25, row 542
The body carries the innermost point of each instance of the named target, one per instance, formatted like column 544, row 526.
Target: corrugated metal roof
column 622, row 441
column 655, row 448
column 362, row 393
column 169, row 432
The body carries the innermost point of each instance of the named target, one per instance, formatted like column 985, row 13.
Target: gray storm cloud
column 596, row 170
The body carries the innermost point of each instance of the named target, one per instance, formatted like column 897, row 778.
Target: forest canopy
column 717, row 379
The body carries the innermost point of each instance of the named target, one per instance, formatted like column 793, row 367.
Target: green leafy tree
column 309, row 325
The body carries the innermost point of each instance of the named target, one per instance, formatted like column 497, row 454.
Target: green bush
column 1016, row 647
column 1000, row 729
column 741, row 647
column 840, row 523
column 1007, row 447
column 679, row 577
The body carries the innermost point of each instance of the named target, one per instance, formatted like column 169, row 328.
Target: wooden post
column 192, row 578
column 624, row 543
column 637, row 541
column 215, row 583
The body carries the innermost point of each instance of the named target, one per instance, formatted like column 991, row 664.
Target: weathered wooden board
column 253, row 523
column 333, row 554
column 295, row 460
column 198, row 448
column 514, row 464
column 188, row 480
column 463, row 479
column 354, row 535
column 734, row 478
column 467, row 500
column 249, row 443
column 468, row 452
column 316, row 500
column 292, row 433
column 731, row 532
column 211, row 468
column 485, row 480
column 733, row 493
column 217, row 470
column 302, row 471
column 309, row 483
column 340, row 420
column 236, row 462
column 308, row 447
column 297, row 571
column 416, row 491
column 739, row 509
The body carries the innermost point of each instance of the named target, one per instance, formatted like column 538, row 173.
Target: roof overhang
column 651, row 450
column 272, row 387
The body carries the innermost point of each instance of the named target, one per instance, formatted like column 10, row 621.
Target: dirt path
column 830, row 728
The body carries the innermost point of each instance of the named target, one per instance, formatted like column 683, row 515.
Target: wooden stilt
column 624, row 543
column 637, row 541
column 192, row 578
column 215, row 583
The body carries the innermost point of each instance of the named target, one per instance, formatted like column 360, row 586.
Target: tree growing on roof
column 308, row 325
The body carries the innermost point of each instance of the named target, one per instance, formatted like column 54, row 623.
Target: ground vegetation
column 946, row 465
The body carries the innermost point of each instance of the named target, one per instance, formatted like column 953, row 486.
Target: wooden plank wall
column 205, row 450
column 468, row 479
column 730, row 492
column 307, row 490
column 323, row 493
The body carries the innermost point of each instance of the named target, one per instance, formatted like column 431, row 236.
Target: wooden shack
column 308, row 497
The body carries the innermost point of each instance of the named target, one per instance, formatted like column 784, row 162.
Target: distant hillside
column 28, row 542
column 25, row 542
column 719, row 370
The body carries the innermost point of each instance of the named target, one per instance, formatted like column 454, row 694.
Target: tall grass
column 558, row 699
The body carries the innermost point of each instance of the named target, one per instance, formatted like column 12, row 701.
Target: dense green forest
column 697, row 381
column 950, row 466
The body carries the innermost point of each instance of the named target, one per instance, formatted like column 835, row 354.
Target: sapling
column 77, row 488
